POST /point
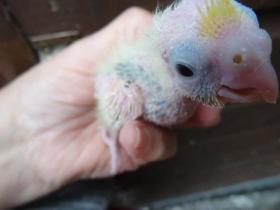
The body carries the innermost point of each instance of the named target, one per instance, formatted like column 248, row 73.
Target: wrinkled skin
column 48, row 131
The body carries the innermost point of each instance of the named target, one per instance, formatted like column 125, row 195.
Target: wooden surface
column 83, row 16
column 261, row 4
column 245, row 147
column 270, row 20
column 15, row 53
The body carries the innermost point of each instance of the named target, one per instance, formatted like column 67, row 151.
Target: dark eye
column 184, row 70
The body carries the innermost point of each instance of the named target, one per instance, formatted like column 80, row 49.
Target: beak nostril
column 184, row 70
column 237, row 59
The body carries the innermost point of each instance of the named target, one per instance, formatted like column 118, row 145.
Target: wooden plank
column 78, row 18
column 270, row 20
column 261, row 4
column 84, row 16
column 276, row 56
column 15, row 54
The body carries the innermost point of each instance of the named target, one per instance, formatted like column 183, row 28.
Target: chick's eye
column 184, row 70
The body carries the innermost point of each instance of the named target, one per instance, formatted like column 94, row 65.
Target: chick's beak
column 246, row 86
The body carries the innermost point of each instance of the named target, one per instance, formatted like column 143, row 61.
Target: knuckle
column 137, row 20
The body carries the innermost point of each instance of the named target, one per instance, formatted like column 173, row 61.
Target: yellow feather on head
column 218, row 14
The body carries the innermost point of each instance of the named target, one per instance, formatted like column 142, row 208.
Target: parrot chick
column 196, row 51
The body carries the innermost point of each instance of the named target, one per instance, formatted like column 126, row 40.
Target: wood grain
column 15, row 53
column 261, row 4
column 84, row 16
column 270, row 20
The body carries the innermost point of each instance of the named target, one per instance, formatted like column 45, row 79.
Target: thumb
column 144, row 143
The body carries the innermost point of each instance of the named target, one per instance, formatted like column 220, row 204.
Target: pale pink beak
column 250, row 86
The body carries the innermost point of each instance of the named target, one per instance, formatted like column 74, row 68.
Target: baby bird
column 195, row 51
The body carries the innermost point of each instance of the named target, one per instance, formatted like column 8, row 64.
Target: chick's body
column 142, row 82
column 135, row 84
column 195, row 52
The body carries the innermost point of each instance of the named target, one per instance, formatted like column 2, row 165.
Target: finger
column 145, row 143
column 90, row 50
column 128, row 25
column 205, row 116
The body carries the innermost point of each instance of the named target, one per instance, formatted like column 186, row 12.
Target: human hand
column 49, row 133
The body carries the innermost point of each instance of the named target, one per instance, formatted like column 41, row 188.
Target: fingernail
column 131, row 135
